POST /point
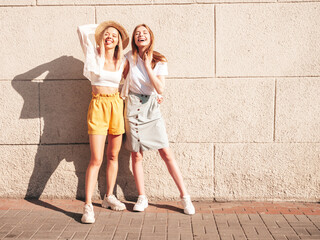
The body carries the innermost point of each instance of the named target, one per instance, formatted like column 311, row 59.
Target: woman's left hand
column 148, row 58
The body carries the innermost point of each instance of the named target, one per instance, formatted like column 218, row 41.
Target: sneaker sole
column 113, row 208
column 88, row 222
column 189, row 213
column 138, row 210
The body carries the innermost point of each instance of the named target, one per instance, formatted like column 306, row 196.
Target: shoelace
column 187, row 203
column 87, row 209
column 115, row 200
column 140, row 200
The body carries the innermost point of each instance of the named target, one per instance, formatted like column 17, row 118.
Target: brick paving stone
column 7, row 228
column 77, row 227
column 66, row 235
column 301, row 224
column 98, row 235
column 204, row 226
column 124, row 228
column 26, row 235
column 37, row 217
column 133, row 236
column 14, row 234
column 229, row 226
column 309, row 237
column 173, row 236
column 120, row 236
column 46, row 235
column 257, row 232
column 314, row 231
column 98, row 227
column 154, row 222
column 233, row 237
column 46, row 227
column 154, row 235
column 307, row 231
column 153, row 238
column 249, row 219
column 179, row 226
column 109, row 229
column 79, row 235
column 315, row 219
column 284, row 231
column 275, row 221
column 285, row 237
column 30, row 227
column 186, row 236
column 154, row 227
column 198, row 230
column 59, row 227
column 3, row 212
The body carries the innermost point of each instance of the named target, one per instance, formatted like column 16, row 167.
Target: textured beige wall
column 242, row 104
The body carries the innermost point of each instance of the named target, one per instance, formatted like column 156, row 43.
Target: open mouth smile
column 108, row 41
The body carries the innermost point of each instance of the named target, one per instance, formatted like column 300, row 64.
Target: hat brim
column 104, row 25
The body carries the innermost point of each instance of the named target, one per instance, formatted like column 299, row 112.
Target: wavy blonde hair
column 157, row 57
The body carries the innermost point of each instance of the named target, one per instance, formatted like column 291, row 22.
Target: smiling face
column 111, row 38
column 142, row 37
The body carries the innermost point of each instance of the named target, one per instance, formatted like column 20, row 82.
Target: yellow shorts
column 105, row 114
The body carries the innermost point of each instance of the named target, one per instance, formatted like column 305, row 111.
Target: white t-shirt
column 138, row 78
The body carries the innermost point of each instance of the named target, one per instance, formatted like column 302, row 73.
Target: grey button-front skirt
column 145, row 128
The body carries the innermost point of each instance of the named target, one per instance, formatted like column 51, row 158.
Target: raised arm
column 158, row 81
column 84, row 31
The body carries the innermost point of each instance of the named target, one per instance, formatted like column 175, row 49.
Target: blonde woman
column 145, row 128
column 104, row 65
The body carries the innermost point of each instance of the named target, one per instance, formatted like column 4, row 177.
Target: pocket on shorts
column 93, row 111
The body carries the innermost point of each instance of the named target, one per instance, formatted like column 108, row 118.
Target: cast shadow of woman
column 62, row 107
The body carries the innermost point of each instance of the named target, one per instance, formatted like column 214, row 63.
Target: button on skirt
column 145, row 127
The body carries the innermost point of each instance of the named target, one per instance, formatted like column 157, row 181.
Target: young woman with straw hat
column 104, row 65
column 145, row 128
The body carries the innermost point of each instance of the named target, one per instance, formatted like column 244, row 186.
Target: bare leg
column 97, row 143
column 138, row 171
column 113, row 149
column 174, row 170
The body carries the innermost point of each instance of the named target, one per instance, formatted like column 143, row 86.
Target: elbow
column 160, row 90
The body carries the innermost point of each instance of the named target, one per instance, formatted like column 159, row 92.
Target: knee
column 136, row 157
column 112, row 156
column 96, row 161
column 167, row 156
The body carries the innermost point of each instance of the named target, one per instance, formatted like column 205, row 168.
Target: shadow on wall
column 63, row 106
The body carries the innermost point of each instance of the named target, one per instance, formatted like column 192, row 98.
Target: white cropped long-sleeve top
column 94, row 62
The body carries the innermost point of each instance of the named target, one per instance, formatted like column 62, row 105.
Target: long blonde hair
column 118, row 51
column 157, row 57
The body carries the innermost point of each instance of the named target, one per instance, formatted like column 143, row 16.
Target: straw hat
column 104, row 25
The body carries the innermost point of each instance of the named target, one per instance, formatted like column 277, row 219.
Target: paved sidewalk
column 60, row 219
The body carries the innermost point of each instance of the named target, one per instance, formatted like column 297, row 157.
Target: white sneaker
column 113, row 203
column 141, row 204
column 88, row 214
column 188, row 207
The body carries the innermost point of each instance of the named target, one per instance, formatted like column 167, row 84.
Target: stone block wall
column 242, row 99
